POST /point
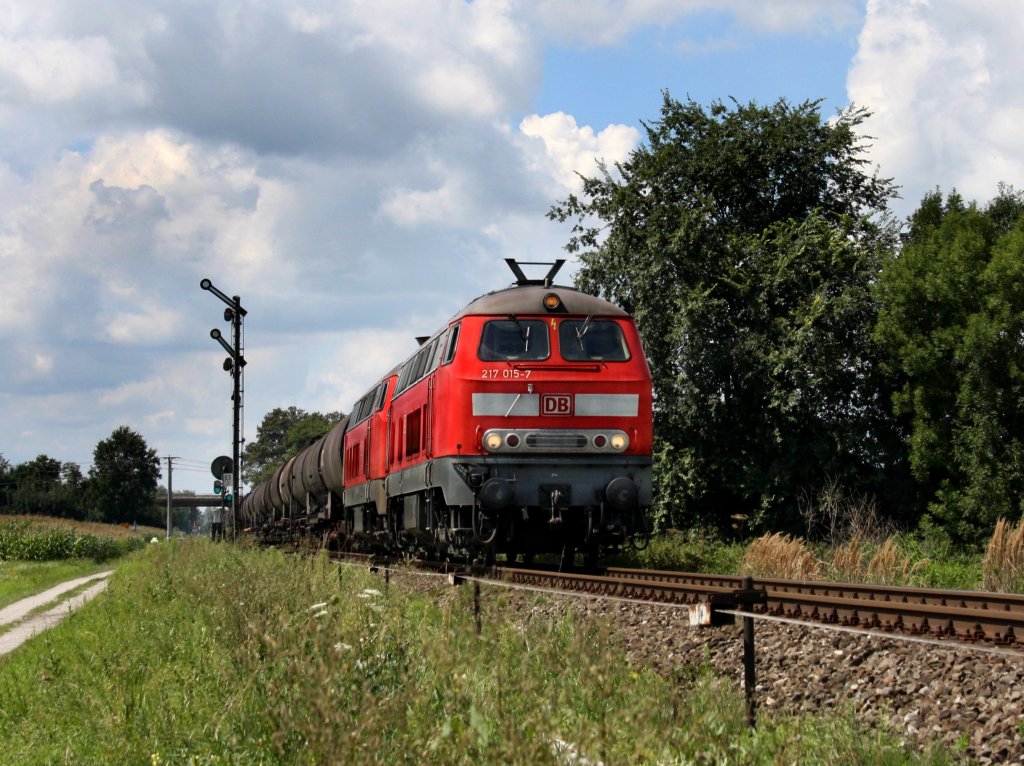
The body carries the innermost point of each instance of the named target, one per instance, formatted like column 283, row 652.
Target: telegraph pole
column 170, row 492
column 234, row 364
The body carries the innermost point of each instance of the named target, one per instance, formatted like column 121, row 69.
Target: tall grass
column 1003, row 565
column 777, row 555
column 216, row 654
column 20, row 540
column 782, row 556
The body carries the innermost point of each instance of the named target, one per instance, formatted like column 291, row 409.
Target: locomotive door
column 428, row 420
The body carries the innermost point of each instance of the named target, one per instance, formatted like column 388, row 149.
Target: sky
column 357, row 170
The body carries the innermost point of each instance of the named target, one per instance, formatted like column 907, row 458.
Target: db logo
column 556, row 404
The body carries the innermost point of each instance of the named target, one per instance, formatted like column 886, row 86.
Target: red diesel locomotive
column 522, row 426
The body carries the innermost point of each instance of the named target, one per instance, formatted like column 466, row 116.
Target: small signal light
column 552, row 302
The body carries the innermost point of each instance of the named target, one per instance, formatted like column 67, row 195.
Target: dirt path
column 27, row 627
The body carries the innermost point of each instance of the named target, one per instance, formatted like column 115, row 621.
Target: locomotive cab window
column 592, row 340
column 453, row 344
column 514, row 339
column 382, row 395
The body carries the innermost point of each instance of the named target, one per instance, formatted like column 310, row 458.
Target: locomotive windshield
column 513, row 339
column 584, row 340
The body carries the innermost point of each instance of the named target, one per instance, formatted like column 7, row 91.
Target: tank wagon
column 522, row 426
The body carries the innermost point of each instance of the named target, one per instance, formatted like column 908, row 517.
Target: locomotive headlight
column 619, row 441
column 552, row 302
column 492, row 441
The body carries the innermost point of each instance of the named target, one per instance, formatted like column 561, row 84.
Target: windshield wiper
column 583, row 329
column 524, row 332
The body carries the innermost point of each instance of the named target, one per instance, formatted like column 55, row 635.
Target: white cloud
column 42, row 364
column 562, row 149
column 347, row 366
column 152, row 325
column 943, row 82
column 51, row 71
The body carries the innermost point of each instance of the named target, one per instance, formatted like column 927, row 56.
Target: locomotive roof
column 529, row 299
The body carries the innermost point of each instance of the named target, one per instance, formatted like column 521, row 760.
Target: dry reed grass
column 848, row 561
column 777, row 555
column 889, row 566
column 1003, row 566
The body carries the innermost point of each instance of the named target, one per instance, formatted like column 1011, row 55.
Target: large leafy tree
column 34, row 486
column 952, row 323
column 744, row 240
column 123, row 478
column 280, row 436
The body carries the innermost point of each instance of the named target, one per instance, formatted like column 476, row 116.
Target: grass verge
column 200, row 653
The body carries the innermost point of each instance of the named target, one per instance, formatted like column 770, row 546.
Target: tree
column 5, row 484
column 123, row 478
column 34, row 486
column 952, row 325
column 744, row 241
column 279, row 437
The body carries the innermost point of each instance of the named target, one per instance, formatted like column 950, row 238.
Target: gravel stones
column 950, row 695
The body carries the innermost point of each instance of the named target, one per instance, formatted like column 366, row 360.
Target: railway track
column 969, row 616
column 994, row 618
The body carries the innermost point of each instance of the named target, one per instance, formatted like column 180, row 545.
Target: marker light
column 492, row 441
column 619, row 441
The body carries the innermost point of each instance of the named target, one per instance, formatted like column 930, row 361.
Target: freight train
column 522, row 426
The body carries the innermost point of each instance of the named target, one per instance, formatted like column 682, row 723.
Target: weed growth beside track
column 200, row 653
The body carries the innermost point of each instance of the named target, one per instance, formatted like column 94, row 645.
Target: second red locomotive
column 522, row 426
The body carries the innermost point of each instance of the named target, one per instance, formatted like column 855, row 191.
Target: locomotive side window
column 589, row 340
column 435, row 356
column 361, row 409
column 416, row 367
column 382, row 395
column 513, row 339
column 453, row 343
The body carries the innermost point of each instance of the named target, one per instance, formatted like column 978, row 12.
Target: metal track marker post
column 746, row 597
column 476, row 607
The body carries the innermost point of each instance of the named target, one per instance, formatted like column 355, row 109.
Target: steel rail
column 989, row 617
column 1009, row 602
